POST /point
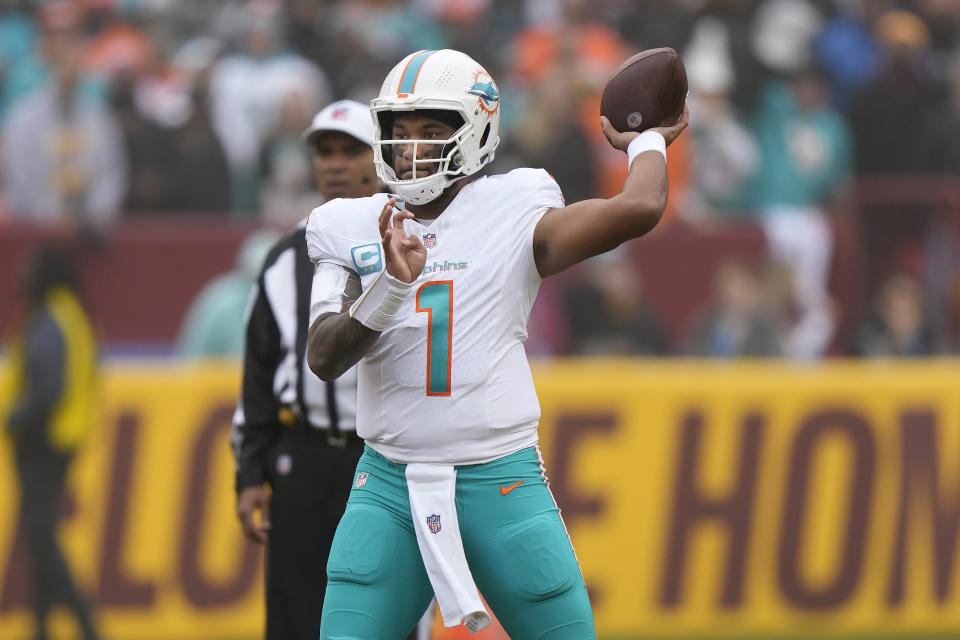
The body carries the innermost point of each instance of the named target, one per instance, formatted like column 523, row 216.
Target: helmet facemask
column 441, row 159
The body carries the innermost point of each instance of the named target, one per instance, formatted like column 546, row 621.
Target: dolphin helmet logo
column 488, row 96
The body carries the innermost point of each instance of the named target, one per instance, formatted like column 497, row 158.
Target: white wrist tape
column 646, row 141
column 378, row 304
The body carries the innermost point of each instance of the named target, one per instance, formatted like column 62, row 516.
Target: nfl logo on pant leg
column 361, row 479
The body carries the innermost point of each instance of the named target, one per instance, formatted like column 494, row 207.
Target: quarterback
column 429, row 289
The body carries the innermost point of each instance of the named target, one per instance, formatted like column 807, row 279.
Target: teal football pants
column 516, row 545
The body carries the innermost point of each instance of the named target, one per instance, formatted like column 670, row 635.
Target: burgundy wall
column 140, row 281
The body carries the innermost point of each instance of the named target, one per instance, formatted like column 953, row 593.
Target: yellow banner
column 708, row 499
column 703, row 500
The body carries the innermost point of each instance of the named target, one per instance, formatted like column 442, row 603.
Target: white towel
column 432, row 488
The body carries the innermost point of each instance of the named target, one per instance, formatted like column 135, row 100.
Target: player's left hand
column 405, row 255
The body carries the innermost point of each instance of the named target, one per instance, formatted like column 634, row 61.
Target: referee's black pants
column 311, row 482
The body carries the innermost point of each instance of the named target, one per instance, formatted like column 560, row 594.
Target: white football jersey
column 448, row 381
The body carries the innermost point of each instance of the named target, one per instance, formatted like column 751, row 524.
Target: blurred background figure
column 564, row 48
column 178, row 166
column 54, row 366
column 549, row 136
column 62, row 150
column 287, row 184
column 898, row 327
column 805, row 162
column 608, row 312
column 249, row 88
column 213, row 325
column 905, row 89
column 723, row 152
column 738, row 324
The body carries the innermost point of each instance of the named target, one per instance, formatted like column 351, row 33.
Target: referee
column 293, row 432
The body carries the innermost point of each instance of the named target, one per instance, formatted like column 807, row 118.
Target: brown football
column 647, row 90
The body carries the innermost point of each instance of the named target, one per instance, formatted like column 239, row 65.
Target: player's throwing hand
column 405, row 254
column 621, row 139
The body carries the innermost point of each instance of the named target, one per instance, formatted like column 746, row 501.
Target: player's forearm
column 337, row 342
column 566, row 236
column 639, row 207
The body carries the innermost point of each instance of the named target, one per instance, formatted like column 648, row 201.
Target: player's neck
column 432, row 210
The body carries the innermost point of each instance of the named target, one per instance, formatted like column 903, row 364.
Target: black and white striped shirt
column 278, row 387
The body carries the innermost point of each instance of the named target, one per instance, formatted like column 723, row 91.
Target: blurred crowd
column 117, row 109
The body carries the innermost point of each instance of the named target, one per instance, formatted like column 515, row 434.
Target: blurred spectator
column 898, row 327
column 782, row 34
column 63, row 158
column 569, row 35
column 847, row 51
column 177, row 165
column 899, row 121
column 723, row 153
column 549, row 136
column 201, row 175
column 247, row 90
column 567, row 38
column 287, row 192
column 749, row 73
column 213, row 325
column 54, row 354
column 645, row 24
column 20, row 71
column 942, row 17
column 379, row 31
column 149, row 149
column 738, row 324
column 478, row 27
column 608, row 314
column 804, row 161
column 119, row 46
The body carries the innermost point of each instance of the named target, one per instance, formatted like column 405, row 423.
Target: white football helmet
column 444, row 80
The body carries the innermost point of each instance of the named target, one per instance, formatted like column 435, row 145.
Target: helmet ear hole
column 486, row 134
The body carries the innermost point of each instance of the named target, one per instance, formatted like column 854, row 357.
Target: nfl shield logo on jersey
column 284, row 464
column 433, row 523
column 361, row 479
column 429, row 240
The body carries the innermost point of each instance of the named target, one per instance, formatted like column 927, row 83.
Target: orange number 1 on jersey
column 436, row 299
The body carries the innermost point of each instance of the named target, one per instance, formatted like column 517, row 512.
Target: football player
column 430, row 290
column 293, row 432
